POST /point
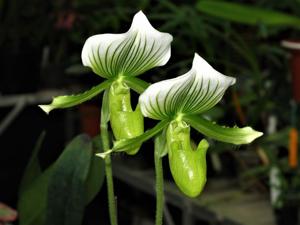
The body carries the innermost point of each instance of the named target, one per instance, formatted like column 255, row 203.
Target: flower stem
column 159, row 184
column 109, row 177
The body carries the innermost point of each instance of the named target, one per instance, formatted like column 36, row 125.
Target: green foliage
column 247, row 14
column 65, row 200
column 32, row 170
column 56, row 195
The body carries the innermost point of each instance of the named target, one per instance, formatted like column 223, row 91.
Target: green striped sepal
column 128, row 54
column 192, row 93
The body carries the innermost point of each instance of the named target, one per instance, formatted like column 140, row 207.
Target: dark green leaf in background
column 60, row 194
column 33, row 169
column 96, row 175
column 247, row 14
column 66, row 199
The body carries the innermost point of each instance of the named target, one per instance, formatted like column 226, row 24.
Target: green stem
column 109, row 176
column 159, row 184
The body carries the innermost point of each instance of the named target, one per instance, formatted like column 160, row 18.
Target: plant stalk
column 159, row 184
column 109, row 177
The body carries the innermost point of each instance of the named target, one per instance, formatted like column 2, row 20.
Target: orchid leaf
column 66, row 197
column 247, row 14
column 234, row 135
column 128, row 54
column 33, row 169
column 67, row 101
column 95, row 178
column 136, row 84
column 192, row 93
column 127, row 144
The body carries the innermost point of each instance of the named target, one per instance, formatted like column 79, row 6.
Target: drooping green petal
column 129, row 54
column 127, row 144
column 194, row 92
column 234, row 135
column 72, row 100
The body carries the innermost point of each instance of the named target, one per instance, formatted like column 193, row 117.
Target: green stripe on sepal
column 188, row 165
column 129, row 54
column 67, row 101
column 125, row 122
column 233, row 135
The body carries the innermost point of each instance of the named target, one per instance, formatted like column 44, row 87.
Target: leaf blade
column 65, row 204
column 33, row 169
column 246, row 14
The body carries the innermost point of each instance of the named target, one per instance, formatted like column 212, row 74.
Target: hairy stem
column 109, row 177
column 159, row 184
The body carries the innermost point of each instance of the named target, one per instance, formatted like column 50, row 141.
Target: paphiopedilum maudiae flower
column 119, row 58
column 179, row 103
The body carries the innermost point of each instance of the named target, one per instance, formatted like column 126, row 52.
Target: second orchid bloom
column 181, row 101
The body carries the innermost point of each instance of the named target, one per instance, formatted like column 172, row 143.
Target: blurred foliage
column 55, row 196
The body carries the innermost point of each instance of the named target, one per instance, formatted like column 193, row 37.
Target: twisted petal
column 233, row 135
column 139, row 49
column 194, row 92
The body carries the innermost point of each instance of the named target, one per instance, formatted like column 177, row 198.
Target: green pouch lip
column 127, row 125
column 125, row 122
column 188, row 166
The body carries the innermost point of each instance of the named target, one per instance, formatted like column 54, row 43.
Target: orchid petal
column 233, row 135
column 67, row 101
column 128, row 54
column 192, row 93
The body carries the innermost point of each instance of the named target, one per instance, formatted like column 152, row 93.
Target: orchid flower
column 119, row 58
column 179, row 103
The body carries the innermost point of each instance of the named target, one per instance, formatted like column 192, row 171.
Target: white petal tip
column 140, row 20
column 254, row 135
column 103, row 155
column 46, row 108
column 202, row 66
